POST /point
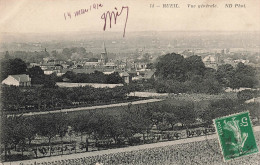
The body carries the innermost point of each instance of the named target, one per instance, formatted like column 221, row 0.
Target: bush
column 246, row 95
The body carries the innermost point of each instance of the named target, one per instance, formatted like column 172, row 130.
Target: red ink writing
column 83, row 11
column 114, row 14
column 67, row 14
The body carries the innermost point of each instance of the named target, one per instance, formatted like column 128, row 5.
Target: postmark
column 235, row 134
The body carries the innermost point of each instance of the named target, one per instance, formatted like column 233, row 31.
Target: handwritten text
column 114, row 14
column 83, row 11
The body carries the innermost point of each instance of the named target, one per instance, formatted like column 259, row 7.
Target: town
column 134, row 66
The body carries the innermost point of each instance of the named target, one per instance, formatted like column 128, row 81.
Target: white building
column 17, row 80
column 210, row 61
column 91, row 63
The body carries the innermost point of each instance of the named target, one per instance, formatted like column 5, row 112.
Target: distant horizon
column 8, row 37
column 157, row 41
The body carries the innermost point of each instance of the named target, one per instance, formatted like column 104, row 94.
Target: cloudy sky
column 47, row 16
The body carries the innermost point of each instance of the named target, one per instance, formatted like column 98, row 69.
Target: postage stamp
column 236, row 135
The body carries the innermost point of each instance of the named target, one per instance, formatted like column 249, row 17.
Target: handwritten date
column 108, row 16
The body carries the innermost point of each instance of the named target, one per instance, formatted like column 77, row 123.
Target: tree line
column 95, row 77
column 18, row 99
column 176, row 74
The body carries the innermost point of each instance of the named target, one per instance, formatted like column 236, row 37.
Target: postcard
column 110, row 82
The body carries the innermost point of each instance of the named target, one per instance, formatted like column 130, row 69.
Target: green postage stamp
column 236, row 135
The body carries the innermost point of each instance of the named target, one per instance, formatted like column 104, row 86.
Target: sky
column 47, row 16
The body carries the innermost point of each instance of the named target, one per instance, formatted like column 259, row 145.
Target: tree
column 219, row 108
column 184, row 114
column 171, row 66
column 97, row 77
column 35, row 71
column 81, row 50
column 82, row 124
column 160, row 87
column 150, row 66
column 245, row 76
column 171, row 119
column 29, row 128
column 140, row 119
column 113, row 127
column 176, row 74
column 50, row 81
column 47, row 127
column 61, row 127
column 209, row 83
column 12, row 98
column 175, row 86
column 17, row 130
column 254, row 110
column 36, row 74
column 210, row 86
column 246, row 95
column 6, row 137
column 12, row 67
column 114, row 78
column 66, row 52
column 224, row 74
column 81, row 78
column 194, row 65
column 70, row 75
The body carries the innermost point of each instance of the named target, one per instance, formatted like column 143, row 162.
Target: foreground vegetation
column 64, row 133
column 176, row 74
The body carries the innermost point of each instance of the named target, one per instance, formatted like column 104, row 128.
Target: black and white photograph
column 129, row 82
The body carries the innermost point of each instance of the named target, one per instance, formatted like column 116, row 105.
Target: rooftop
column 21, row 77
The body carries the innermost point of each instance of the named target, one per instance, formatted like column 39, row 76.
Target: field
column 201, row 101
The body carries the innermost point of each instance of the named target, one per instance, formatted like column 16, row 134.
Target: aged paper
column 66, row 49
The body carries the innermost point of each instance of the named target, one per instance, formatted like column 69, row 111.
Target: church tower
column 104, row 58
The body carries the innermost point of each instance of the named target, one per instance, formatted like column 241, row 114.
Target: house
column 108, row 71
column 48, row 71
column 146, row 75
column 140, row 65
column 91, row 64
column 210, row 61
column 17, row 80
column 33, row 65
column 149, row 74
column 125, row 77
